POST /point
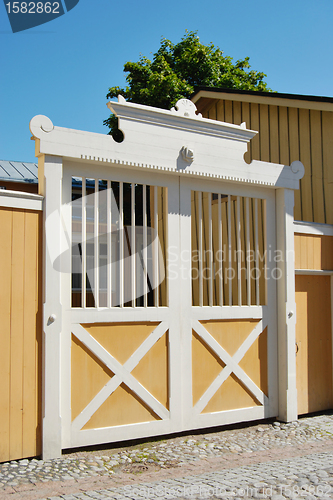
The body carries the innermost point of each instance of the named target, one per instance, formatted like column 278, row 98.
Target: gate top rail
column 177, row 141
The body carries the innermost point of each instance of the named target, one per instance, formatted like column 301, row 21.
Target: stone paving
column 188, row 467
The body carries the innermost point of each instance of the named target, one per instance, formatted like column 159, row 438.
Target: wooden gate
column 151, row 348
column 161, row 280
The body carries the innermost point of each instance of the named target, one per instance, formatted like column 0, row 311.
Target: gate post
column 50, row 178
column 286, row 306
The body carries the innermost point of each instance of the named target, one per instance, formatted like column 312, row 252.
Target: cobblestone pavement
column 269, row 460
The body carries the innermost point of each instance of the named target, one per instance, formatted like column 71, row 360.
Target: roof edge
column 292, row 100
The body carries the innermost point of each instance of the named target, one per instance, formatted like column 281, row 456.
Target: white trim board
column 313, row 228
column 21, row 200
column 313, row 271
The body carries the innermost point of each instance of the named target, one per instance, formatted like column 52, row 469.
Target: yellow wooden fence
column 20, row 327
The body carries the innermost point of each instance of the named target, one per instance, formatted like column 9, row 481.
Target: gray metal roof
column 17, row 171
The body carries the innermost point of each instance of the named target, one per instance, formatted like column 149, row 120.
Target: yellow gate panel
column 313, row 343
column 90, row 376
column 232, row 395
column 229, row 364
column 20, row 320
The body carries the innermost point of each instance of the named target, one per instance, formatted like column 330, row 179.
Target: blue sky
column 64, row 68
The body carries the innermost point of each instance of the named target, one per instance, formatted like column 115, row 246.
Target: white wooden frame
column 181, row 151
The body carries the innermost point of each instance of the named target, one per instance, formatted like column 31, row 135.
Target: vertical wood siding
column 287, row 134
column 20, row 329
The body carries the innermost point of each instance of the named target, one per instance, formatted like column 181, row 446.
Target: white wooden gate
column 161, row 281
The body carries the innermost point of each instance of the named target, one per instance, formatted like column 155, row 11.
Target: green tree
column 175, row 71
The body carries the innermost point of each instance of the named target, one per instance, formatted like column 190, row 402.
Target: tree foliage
column 176, row 69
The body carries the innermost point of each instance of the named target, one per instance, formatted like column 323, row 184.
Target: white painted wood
column 313, row 228
column 96, row 244
column 229, row 251
column 220, row 252
column 210, row 250
column 239, row 254
column 154, row 139
column 199, row 194
column 248, row 249
column 227, row 312
column 174, row 294
column 145, row 298
column 51, row 423
column 18, row 199
column 150, row 155
column 121, row 244
column 66, row 299
column 84, row 245
column 286, row 306
column 313, row 271
column 256, row 249
column 133, row 251
column 184, row 297
column 109, row 244
column 156, row 263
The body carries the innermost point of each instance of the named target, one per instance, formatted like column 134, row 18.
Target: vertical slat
column 200, row 249
column 96, row 245
column 274, row 134
column 228, row 111
column 210, row 249
column 220, row 110
column 246, row 119
column 16, row 340
column 145, row 297
column 264, row 132
column 255, row 145
column 239, row 254
column 305, row 157
column 83, row 246
column 327, row 132
column 256, row 249
column 248, row 250
column 133, row 268
column 220, row 252
column 294, row 155
column 265, row 249
column 155, row 258
column 121, row 250
column 31, row 277
column 229, row 251
column 283, row 136
column 109, row 244
column 317, row 167
column 237, row 112
column 6, row 224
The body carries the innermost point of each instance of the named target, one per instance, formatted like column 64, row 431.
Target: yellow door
column 313, row 343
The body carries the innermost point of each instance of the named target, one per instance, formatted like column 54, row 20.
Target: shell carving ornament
column 186, row 108
column 187, row 154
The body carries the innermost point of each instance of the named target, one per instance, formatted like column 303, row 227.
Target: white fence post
column 52, row 311
column 286, row 305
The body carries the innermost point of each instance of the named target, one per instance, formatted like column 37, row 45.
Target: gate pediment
column 175, row 141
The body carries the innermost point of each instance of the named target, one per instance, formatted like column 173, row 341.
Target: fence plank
column 16, row 340
column 6, row 223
